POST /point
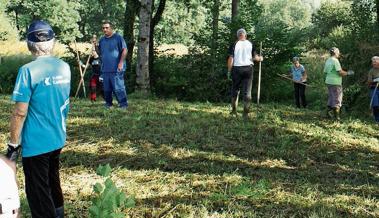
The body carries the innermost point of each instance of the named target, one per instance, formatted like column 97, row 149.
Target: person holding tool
column 240, row 67
column 333, row 80
column 95, row 65
column 373, row 82
column 38, row 121
column 299, row 76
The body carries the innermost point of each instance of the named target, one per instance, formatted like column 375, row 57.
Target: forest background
column 188, row 41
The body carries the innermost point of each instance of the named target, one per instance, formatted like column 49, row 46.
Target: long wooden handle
column 259, row 76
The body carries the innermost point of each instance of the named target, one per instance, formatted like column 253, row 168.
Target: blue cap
column 40, row 31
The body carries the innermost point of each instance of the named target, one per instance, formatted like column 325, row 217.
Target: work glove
column 13, row 151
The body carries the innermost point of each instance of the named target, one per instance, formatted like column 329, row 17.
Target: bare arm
column 18, row 116
column 230, row 63
column 305, row 75
column 342, row 73
column 123, row 56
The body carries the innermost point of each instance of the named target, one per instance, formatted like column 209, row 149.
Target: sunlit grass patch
column 184, row 159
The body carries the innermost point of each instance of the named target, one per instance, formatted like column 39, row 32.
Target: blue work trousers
column 113, row 83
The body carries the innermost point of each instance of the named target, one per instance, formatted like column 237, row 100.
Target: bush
column 8, row 71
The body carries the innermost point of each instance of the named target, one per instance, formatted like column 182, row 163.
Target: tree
column 214, row 44
column 61, row 14
column 131, row 10
column 143, row 81
column 235, row 7
column 154, row 22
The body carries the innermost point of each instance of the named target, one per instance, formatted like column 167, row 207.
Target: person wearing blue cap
column 38, row 121
column 113, row 51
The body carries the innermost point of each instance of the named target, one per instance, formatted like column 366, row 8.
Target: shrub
column 109, row 201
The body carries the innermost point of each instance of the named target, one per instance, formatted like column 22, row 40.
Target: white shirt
column 9, row 198
column 243, row 54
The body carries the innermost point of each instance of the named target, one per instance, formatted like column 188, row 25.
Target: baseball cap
column 40, row 31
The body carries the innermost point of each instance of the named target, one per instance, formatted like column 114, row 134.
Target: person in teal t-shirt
column 334, row 74
column 38, row 122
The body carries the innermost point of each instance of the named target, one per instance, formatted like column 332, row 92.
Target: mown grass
column 194, row 160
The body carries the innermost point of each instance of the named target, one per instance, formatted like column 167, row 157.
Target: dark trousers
column 114, row 83
column 242, row 76
column 42, row 184
column 300, row 95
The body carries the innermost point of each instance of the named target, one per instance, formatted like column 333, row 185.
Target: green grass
column 194, row 160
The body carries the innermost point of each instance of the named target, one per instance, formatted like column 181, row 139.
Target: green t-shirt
column 331, row 69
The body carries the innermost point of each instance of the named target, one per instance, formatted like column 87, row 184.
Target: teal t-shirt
column 45, row 85
column 331, row 69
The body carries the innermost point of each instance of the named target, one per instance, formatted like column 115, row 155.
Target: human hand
column 13, row 151
column 120, row 67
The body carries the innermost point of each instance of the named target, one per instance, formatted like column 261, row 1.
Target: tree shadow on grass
column 196, row 129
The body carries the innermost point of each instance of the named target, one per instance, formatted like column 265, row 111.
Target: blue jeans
column 375, row 103
column 113, row 82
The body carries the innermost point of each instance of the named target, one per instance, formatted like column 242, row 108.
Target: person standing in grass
column 95, row 65
column 299, row 75
column 240, row 67
column 38, row 121
column 334, row 74
column 113, row 51
column 373, row 82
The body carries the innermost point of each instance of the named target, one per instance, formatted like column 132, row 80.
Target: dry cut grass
column 194, row 160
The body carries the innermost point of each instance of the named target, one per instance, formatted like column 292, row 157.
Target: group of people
column 42, row 92
column 108, row 66
column 240, row 68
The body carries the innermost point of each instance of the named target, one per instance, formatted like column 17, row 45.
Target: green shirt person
column 333, row 80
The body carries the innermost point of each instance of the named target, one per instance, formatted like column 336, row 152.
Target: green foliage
column 8, row 71
column 7, row 31
column 62, row 15
column 109, row 201
column 350, row 26
column 93, row 12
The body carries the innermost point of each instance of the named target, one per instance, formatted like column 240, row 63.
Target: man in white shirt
column 240, row 64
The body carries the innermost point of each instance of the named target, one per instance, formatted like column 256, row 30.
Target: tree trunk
column 143, row 81
column 214, row 44
column 235, row 9
column 154, row 22
column 235, row 12
column 377, row 12
column 131, row 10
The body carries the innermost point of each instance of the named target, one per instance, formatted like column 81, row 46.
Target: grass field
column 194, row 160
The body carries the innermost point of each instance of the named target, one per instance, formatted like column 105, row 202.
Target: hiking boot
column 337, row 112
column 234, row 104
column 246, row 109
column 330, row 113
